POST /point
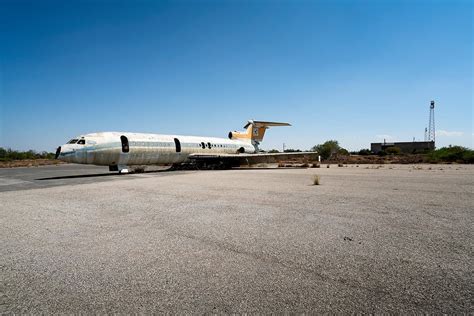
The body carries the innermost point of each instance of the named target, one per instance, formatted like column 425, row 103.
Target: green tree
column 451, row 154
column 9, row 154
column 343, row 152
column 329, row 149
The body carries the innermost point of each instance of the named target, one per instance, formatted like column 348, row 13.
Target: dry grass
column 316, row 179
column 30, row 163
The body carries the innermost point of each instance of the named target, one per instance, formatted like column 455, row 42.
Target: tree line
column 7, row 154
column 332, row 149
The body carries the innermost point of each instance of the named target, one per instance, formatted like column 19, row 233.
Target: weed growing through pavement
column 316, row 179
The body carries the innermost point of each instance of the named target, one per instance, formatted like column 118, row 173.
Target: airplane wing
column 236, row 160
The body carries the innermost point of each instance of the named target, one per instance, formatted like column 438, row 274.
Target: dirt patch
column 29, row 163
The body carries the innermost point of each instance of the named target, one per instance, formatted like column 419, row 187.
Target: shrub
column 329, row 148
column 365, row 152
column 393, row 150
column 343, row 152
column 451, row 154
column 316, row 179
column 9, row 154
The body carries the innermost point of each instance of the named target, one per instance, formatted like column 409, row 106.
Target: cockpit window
column 72, row 141
column 81, row 142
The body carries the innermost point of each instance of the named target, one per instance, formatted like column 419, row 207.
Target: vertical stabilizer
column 255, row 131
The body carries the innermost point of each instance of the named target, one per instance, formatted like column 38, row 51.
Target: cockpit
column 68, row 151
column 77, row 141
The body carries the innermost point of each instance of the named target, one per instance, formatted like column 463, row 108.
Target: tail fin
column 255, row 130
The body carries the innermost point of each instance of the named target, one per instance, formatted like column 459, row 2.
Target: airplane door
column 125, row 146
column 124, row 155
column 178, row 145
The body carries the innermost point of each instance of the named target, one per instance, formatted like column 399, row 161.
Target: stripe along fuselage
column 126, row 149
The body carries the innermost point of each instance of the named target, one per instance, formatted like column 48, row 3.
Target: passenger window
column 203, row 145
column 209, row 145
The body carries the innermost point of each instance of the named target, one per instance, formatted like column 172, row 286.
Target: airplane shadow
column 267, row 168
column 80, row 176
column 148, row 172
column 99, row 175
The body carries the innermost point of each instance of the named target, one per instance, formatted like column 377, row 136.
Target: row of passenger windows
column 203, row 145
column 209, row 145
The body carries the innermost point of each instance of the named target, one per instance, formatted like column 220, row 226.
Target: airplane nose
column 58, row 151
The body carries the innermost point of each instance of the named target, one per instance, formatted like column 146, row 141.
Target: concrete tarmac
column 372, row 239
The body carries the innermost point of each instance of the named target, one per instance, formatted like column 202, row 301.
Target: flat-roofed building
column 405, row 147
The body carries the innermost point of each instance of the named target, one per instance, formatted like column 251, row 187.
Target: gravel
column 371, row 239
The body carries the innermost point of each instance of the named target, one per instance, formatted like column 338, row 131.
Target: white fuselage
column 114, row 148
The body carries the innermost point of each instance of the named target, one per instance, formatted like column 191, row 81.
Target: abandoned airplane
column 122, row 151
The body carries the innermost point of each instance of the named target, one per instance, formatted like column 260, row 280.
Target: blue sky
column 355, row 71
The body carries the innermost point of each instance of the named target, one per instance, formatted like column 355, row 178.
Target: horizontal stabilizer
column 265, row 123
column 255, row 130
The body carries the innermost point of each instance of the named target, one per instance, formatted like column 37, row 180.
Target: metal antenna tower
column 431, row 125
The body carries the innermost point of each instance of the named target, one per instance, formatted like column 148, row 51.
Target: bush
column 9, row 154
column 451, row 154
column 316, row 179
column 343, row 152
column 393, row 150
column 468, row 156
column 329, row 149
column 365, row 152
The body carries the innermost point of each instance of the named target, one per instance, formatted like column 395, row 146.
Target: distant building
column 405, row 147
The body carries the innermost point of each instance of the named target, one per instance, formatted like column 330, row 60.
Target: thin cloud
column 442, row 132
